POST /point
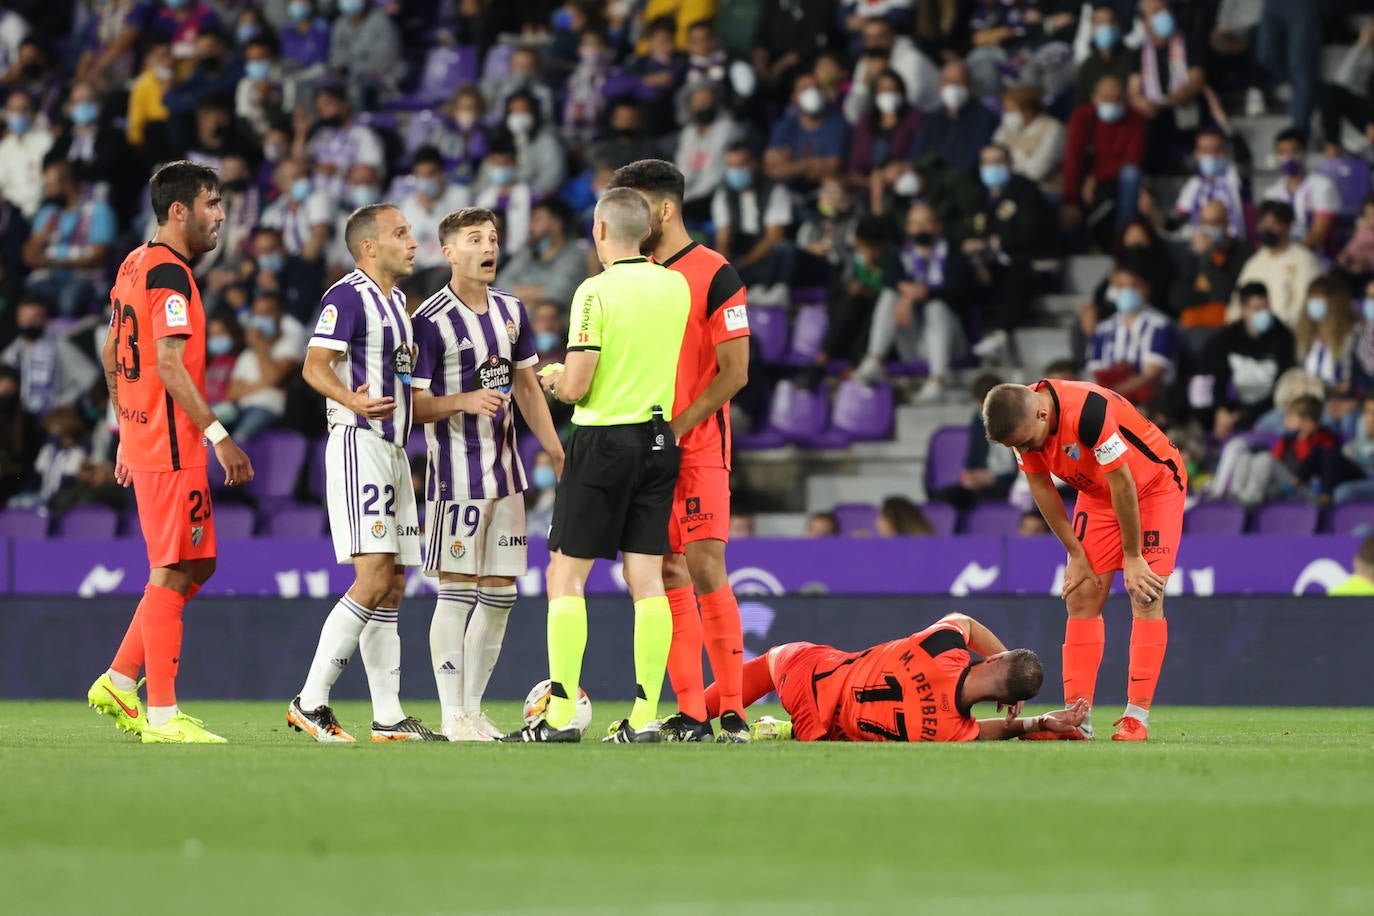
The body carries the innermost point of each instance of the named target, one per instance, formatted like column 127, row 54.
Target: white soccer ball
column 537, row 704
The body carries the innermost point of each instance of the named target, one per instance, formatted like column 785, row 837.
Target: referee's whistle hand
column 238, row 470
column 372, row 408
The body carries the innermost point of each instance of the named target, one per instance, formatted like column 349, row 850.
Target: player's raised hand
column 1063, row 721
column 1078, row 572
column 238, row 470
column 372, row 408
column 1142, row 583
column 122, row 475
column 484, row 402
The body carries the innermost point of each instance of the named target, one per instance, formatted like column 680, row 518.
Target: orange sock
column 684, row 656
column 128, row 660
column 161, row 612
column 1083, row 641
column 1149, row 639
column 758, row 683
column 724, row 645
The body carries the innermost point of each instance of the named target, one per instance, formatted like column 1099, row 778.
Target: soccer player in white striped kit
column 474, row 350
column 363, row 346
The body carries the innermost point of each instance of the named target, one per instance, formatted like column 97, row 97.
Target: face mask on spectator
column 246, row 32
column 1013, row 120
column 1291, row 168
column 544, row 477
column 737, row 179
column 811, row 101
column 908, row 184
column 163, row 73
column 501, row 175
column 1213, row 233
column 542, row 245
column 923, row 239
column 351, row 7
column 300, row 189
column 995, row 175
column 888, row 102
column 1129, row 300
column 297, row 11
column 1262, row 321
column 85, row 113
column 1367, row 308
column 1162, row 23
column 219, row 345
column 31, row 331
column 265, row 324
column 519, row 122
column 273, row 262
column 704, row 116
column 1269, row 238
column 1111, row 293
column 1111, row 112
column 18, row 123
column 546, row 341
column 363, row 195
column 273, row 152
column 1105, row 37
column 953, row 96
column 258, row 70
column 1316, row 309
column 1212, row 166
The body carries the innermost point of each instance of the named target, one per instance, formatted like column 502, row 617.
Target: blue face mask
column 85, row 113
column 1212, row 166
column 258, row 70
column 300, row 190
column 1162, row 23
column 351, row 7
column 176, row 4
column 1105, row 37
column 1111, row 112
column 543, row 477
column 1261, row 322
column 994, row 176
column 268, row 326
column 1316, row 309
column 429, row 187
column 501, row 175
column 1367, row 308
column 246, row 32
column 542, row 245
column 298, row 11
column 547, row 341
column 1129, row 300
column 272, row 263
column 363, row 195
column 737, row 179
column 219, row 345
column 18, row 123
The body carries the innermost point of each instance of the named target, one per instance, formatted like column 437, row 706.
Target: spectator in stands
column 1032, row 524
column 304, row 39
column 1033, row 137
column 921, row 316
column 426, row 197
column 242, row 204
column 657, row 74
column 264, row 96
column 336, row 141
column 1349, row 97
column 1135, row 351
column 1167, row 89
column 53, row 371
column 146, row 117
column 294, row 281
column 274, row 348
column 988, row 471
column 1309, row 460
column 1108, row 57
column 585, row 102
column 753, row 215
column 1326, row 334
column 1356, row 259
column 223, row 344
column 1103, row 161
column 365, row 46
column 741, row 525
column 1361, row 582
column 1208, row 275
column 101, row 62
column 701, row 151
column 1360, row 452
column 1290, row 48
column 627, row 140
column 499, row 187
column 60, row 459
column 1023, row 41
column 364, row 186
column 70, row 244
column 96, row 149
column 14, row 231
column 216, row 137
column 21, row 436
column 27, row 140
column 524, row 77
column 539, row 497
column 961, row 127
column 1013, row 249
column 832, row 78
column 1241, row 366
column 249, row 25
column 809, row 142
column 1362, row 368
column 872, row 270
column 216, row 75
column 825, row 241
column 822, row 525
column 884, row 51
column 539, row 154
column 35, row 76
column 900, row 517
column 551, row 266
column 1217, row 179
column 1137, row 244
column 1283, row 266
column 708, row 67
column 457, row 132
column 789, row 33
column 884, row 135
column 550, row 325
column 1313, row 196
column 302, row 212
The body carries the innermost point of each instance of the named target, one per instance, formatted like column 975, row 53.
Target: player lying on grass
column 919, row 688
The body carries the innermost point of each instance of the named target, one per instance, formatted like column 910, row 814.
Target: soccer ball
column 537, row 704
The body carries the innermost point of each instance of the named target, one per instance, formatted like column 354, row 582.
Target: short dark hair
column 983, row 383
column 661, row 24
column 741, row 146
column 1211, row 130
column 1004, row 410
column 462, row 219
column 559, row 210
column 905, row 517
column 1280, row 210
column 830, row 518
column 362, row 224
column 501, row 143
column 1252, row 289
column 429, row 154
column 1024, row 675
column 179, row 182
column 873, row 230
column 656, row 177
column 1294, row 134
column 1306, row 407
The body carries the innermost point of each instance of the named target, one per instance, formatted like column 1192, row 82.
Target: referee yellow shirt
column 1354, row 587
column 635, row 314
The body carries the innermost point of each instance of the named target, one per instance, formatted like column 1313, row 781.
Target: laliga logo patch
column 379, row 529
column 329, row 317
column 175, row 309
column 511, row 335
column 457, row 550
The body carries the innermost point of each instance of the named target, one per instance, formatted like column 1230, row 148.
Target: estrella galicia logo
column 1072, row 450
column 403, row 363
column 495, row 373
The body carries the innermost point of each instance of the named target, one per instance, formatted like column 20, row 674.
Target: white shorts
column 371, row 498
column 476, row 537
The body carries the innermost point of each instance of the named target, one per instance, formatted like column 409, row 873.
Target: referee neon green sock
column 653, row 637
column 567, row 642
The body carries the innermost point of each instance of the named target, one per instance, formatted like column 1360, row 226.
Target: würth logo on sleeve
column 1151, row 545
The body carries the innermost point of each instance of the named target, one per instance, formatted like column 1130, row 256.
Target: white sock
column 1135, row 712
column 160, row 715
column 338, row 642
column 482, row 645
column 381, row 649
column 121, row 682
column 456, row 601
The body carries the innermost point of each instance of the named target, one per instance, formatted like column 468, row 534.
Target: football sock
column 653, row 636
column 482, row 645
column 121, row 681
column 1136, row 712
column 446, row 628
column 758, row 683
column 338, row 642
column 380, row 644
column 684, row 656
column 567, row 642
column 128, row 660
column 720, row 625
column 1083, row 641
column 162, row 643
column 160, row 715
column 1149, row 639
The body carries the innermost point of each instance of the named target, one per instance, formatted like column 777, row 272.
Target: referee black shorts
column 616, row 493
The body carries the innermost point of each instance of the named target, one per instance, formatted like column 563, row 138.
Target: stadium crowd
column 923, row 169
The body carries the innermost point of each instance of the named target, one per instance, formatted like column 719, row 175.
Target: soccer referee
column 622, row 462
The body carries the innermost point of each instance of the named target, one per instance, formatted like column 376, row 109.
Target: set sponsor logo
column 1110, row 450
column 514, row 540
column 403, row 363
column 495, row 373
column 736, row 318
column 133, row 416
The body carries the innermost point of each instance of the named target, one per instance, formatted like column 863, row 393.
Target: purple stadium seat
column 379, row 120
column 768, row 327
column 945, row 457
column 942, row 517
column 316, row 472
column 1286, row 518
column 857, row 518
column 234, row 521
column 296, row 521
column 796, row 412
column 993, row 519
column 810, row 295
column 1351, row 177
column 277, row 456
column 24, row 524
column 1215, row 518
column 863, row 412
column 88, row 522
column 808, row 334
column 446, row 68
column 1347, row 517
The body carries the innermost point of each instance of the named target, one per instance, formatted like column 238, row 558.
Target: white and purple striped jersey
column 459, row 350
column 1150, row 340
column 373, row 333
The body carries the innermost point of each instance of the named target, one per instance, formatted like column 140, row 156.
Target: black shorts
column 616, row 494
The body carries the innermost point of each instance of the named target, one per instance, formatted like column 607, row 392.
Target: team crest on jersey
column 175, row 308
column 402, row 363
column 511, row 334
column 197, row 535
column 457, row 550
column 379, row 529
column 329, row 318
column 1072, row 450
column 495, row 373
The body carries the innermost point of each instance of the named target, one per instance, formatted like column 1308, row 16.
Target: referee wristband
column 216, row 433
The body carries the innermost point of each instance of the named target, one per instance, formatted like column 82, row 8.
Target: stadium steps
column 780, row 524
column 824, row 491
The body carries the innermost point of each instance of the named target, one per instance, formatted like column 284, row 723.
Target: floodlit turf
column 1224, row 811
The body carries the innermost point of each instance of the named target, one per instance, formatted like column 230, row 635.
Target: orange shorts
column 701, row 507
column 1161, row 527
column 175, row 514
column 794, row 666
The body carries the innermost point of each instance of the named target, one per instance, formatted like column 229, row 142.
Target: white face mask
column 908, row 184
column 1013, row 120
column 888, row 102
column 953, row 96
column 519, row 122
column 811, row 101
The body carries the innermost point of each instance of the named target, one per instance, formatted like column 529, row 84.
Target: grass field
column 1224, row 811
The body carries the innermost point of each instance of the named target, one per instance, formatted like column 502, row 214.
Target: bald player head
column 621, row 221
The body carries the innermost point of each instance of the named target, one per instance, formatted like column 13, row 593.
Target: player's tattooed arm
column 109, row 364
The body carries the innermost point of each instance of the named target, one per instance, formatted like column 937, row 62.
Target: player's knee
column 707, row 566
column 675, row 571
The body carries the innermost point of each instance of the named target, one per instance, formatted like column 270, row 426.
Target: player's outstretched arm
column 1061, row 722
column 318, row 372
column 529, row 397
column 171, row 371
column 732, row 373
column 1143, row 584
column 979, row 638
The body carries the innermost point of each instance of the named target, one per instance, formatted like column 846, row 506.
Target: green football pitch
column 1224, row 811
